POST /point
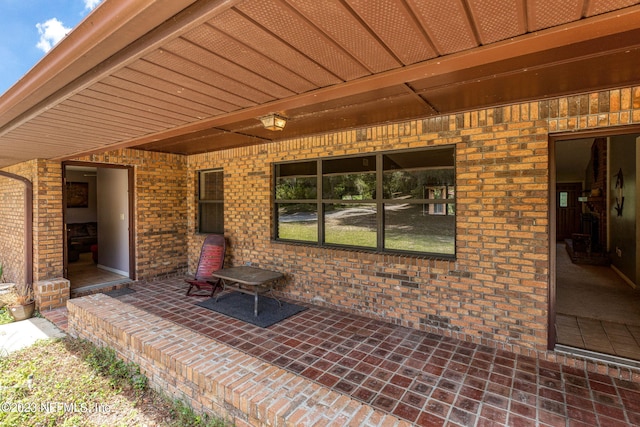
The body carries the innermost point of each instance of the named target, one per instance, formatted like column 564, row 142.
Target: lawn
column 69, row 382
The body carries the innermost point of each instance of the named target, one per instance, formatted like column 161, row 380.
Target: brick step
column 214, row 377
column 100, row 288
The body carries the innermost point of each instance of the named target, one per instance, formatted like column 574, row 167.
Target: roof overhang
column 187, row 77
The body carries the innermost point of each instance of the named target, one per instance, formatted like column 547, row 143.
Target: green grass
column 5, row 316
column 71, row 382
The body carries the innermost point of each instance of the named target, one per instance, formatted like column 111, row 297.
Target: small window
column 564, row 199
column 211, row 201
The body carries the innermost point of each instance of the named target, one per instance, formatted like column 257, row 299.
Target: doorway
column 568, row 210
column 97, row 221
column 595, row 298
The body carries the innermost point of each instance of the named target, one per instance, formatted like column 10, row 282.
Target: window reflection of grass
column 306, row 231
column 415, row 243
column 298, row 221
column 406, row 229
column 395, row 240
column 351, row 236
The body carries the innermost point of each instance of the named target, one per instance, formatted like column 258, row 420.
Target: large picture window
column 394, row 202
column 211, row 201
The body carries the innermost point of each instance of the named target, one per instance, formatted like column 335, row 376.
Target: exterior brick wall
column 47, row 219
column 160, row 209
column 47, row 230
column 160, row 214
column 12, row 227
column 496, row 290
column 51, row 294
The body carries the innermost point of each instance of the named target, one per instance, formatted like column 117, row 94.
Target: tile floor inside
column 84, row 272
column 596, row 309
column 616, row 339
column 424, row 378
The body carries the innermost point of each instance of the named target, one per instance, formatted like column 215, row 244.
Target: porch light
column 273, row 122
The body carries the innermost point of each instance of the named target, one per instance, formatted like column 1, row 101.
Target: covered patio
column 417, row 377
column 163, row 102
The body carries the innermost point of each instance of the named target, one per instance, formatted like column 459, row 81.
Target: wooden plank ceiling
column 198, row 80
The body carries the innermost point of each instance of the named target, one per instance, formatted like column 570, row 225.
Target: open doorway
column 97, row 216
column 595, row 294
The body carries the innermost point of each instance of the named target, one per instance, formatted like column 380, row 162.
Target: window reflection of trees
column 415, row 211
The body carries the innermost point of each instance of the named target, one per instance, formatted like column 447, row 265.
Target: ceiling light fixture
column 273, row 121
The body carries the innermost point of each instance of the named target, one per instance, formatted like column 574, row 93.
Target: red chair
column 211, row 260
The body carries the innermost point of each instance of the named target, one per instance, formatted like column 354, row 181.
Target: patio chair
column 211, row 260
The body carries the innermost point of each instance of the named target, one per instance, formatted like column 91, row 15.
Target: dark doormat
column 119, row 292
column 240, row 306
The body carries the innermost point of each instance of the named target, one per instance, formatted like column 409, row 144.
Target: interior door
column 568, row 210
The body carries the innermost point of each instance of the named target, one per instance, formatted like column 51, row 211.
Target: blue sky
column 31, row 27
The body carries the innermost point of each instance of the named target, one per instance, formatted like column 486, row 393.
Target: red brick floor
column 58, row 317
column 426, row 379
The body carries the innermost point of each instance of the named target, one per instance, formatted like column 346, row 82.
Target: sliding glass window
column 348, row 201
column 296, row 193
column 419, row 205
column 392, row 202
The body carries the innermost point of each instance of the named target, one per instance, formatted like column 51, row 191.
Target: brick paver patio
column 423, row 378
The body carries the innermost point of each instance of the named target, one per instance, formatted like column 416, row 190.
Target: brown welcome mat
column 240, row 306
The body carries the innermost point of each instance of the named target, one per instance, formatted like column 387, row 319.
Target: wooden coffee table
column 249, row 280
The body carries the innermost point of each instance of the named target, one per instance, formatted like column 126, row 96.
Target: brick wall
column 496, row 291
column 46, row 178
column 160, row 214
column 599, row 154
column 12, row 227
column 47, row 218
column 47, row 230
column 50, row 294
column 160, row 209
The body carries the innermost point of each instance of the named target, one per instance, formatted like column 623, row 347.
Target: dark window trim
column 380, row 203
column 201, row 201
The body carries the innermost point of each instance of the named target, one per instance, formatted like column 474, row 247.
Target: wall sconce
column 273, row 122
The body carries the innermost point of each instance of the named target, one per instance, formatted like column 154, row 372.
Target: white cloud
column 51, row 32
column 91, row 4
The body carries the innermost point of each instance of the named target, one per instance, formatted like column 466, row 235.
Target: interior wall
column 88, row 214
column 623, row 153
column 113, row 219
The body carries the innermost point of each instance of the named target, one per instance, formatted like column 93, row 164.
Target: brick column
column 53, row 293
